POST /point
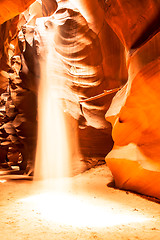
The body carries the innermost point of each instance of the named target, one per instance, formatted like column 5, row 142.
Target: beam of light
column 52, row 148
column 67, row 209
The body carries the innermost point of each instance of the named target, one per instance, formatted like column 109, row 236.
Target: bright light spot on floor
column 80, row 211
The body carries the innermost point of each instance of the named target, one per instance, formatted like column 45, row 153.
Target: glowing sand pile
column 82, row 211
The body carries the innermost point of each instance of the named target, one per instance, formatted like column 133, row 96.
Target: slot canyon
column 79, row 119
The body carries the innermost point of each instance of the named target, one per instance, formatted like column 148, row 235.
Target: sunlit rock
column 86, row 63
column 134, row 114
column 49, row 7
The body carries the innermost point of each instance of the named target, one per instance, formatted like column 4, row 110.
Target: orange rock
column 10, row 8
column 134, row 112
column 133, row 21
column 131, row 176
column 138, row 118
column 49, row 7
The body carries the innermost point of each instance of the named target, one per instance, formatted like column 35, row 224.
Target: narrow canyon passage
column 79, row 120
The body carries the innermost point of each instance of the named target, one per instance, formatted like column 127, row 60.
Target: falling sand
column 53, row 151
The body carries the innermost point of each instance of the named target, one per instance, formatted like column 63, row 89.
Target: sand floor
column 82, row 208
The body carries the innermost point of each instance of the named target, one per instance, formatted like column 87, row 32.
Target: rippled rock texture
column 18, row 87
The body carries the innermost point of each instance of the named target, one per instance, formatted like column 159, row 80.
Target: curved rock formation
column 134, row 112
column 134, row 22
column 87, row 63
column 18, row 92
